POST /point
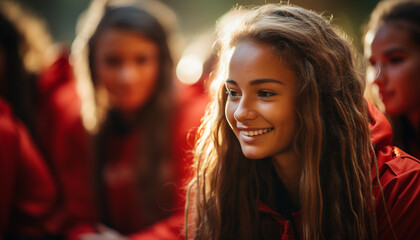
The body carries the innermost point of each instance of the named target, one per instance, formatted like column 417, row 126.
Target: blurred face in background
column 396, row 59
column 127, row 65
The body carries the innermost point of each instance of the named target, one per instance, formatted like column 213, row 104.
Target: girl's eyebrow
column 393, row 50
column 231, row 82
column 257, row 81
column 265, row 80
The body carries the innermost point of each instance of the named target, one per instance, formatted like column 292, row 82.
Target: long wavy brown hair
column 332, row 139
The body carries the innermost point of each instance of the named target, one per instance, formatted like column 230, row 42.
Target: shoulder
column 399, row 173
column 397, row 198
column 401, row 167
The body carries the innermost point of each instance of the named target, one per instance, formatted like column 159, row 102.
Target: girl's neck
column 128, row 117
column 123, row 122
column 289, row 170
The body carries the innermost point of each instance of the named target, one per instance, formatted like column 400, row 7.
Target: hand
column 104, row 233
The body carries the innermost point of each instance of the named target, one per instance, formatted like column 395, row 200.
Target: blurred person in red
column 28, row 193
column 392, row 47
column 119, row 144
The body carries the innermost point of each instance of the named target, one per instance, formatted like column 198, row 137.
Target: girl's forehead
column 253, row 63
column 393, row 33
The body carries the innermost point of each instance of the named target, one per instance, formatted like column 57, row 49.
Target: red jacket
column 26, row 186
column 399, row 174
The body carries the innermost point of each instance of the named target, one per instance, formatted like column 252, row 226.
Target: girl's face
column 127, row 65
column 260, row 107
column 396, row 58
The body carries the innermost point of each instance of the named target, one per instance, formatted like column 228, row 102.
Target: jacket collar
column 380, row 128
column 381, row 137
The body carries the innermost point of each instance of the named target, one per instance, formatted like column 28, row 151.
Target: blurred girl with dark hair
column 289, row 148
column 392, row 47
column 121, row 159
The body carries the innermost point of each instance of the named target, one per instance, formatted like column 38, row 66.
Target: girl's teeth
column 256, row 132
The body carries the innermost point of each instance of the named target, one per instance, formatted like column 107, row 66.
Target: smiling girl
column 286, row 147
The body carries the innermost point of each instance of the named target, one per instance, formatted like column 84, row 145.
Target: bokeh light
column 189, row 69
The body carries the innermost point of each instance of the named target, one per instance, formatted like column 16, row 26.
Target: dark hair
column 154, row 118
column 404, row 11
column 17, row 86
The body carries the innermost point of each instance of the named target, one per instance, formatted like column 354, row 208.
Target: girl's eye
column 141, row 59
column 265, row 94
column 232, row 93
column 396, row 59
column 112, row 61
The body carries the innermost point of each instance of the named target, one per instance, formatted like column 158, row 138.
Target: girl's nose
column 127, row 74
column 244, row 112
column 379, row 76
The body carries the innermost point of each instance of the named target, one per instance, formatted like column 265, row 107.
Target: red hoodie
column 399, row 174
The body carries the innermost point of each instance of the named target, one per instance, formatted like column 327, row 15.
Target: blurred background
column 196, row 16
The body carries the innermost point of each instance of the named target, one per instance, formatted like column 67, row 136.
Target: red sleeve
column 36, row 193
column 75, row 173
column 400, row 181
column 28, row 191
column 8, row 165
column 65, row 143
column 69, row 155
